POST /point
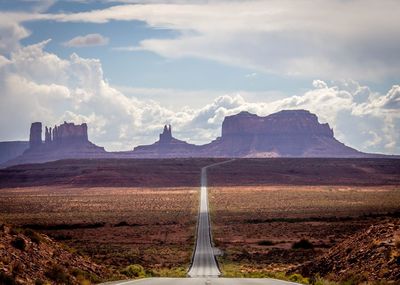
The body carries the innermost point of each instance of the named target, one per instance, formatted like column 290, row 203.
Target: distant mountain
column 64, row 141
column 12, row 149
column 288, row 133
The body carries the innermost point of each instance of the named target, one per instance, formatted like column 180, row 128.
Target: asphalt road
column 204, row 269
column 204, row 263
column 204, row 281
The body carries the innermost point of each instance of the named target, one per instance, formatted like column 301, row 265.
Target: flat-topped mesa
column 286, row 122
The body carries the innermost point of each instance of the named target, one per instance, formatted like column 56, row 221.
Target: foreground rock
column 371, row 255
column 27, row 257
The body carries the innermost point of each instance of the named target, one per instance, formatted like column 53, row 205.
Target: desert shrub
column 15, row 230
column 39, row 282
column 34, row 236
column 298, row 278
column 168, row 272
column 19, row 243
column 58, row 274
column 7, row 279
column 83, row 276
column 303, row 244
column 265, row 242
column 317, row 280
column 17, row 268
column 134, row 271
column 62, row 237
column 121, row 224
column 397, row 242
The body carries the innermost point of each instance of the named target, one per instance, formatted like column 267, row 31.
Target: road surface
column 204, row 269
column 203, row 262
column 204, row 281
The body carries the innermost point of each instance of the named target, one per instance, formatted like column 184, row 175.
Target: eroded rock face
column 287, row 122
column 35, row 135
column 166, row 135
column 288, row 133
column 61, row 142
column 167, row 146
column 67, row 133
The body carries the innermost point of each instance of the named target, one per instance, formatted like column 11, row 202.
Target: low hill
column 370, row 255
column 28, row 257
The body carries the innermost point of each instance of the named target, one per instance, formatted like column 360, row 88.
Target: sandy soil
column 115, row 226
column 257, row 226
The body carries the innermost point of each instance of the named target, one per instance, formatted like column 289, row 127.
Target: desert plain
column 268, row 216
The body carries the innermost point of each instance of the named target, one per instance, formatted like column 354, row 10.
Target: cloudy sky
column 127, row 67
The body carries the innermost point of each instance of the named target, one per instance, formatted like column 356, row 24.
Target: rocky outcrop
column 167, row 146
column 370, row 255
column 28, row 257
column 288, row 133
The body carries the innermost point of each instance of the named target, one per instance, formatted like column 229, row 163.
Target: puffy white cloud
column 40, row 86
column 88, row 40
column 10, row 35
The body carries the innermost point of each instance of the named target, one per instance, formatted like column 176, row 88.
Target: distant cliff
column 288, row 133
column 12, row 149
column 64, row 141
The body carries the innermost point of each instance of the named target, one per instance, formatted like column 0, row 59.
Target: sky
column 128, row 67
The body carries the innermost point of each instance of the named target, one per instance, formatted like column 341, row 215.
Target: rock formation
column 372, row 253
column 64, row 141
column 166, row 135
column 69, row 133
column 166, row 146
column 287, row 122
column 35, row 136
column 288, row 133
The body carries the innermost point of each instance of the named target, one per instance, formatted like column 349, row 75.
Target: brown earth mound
column 27, row 257
column 370, row 255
